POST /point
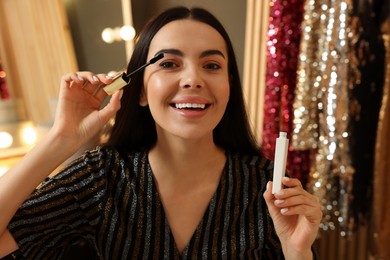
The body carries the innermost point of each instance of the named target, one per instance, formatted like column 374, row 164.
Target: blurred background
column 318, row 70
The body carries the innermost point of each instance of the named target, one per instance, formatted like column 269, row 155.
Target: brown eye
column 168, row 65
column 212, row 66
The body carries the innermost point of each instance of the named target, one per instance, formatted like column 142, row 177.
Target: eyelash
column 212, row 66
column 170, row 65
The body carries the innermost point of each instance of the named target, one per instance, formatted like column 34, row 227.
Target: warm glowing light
column 3, row 170
column 127, row 33
column 108, row 35
column 29, row 135
column 124, row 33
column 6, row 140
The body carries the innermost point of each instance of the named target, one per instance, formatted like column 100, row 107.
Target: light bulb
column 108, row 35
column 6, row 140
column 127, row 33
column 29, row 135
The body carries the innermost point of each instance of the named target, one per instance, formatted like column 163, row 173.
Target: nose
column 191, row 78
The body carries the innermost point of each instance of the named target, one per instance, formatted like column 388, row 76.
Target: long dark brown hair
column 135, row 128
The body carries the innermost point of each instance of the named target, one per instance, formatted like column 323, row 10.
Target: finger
column 92, row 83
column 292, row 186
column 268, row 192
column 104, row 81
column 312, row 213
column 105, row 78
column 296, row 200
column 295, row 194
column 72, row 77
column 91, row 80
column 300, row 204
column 269, row 199
column 291, row 182
column 112, row 107
column 81, row 78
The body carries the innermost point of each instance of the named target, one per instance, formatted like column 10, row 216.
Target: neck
column 186, row 161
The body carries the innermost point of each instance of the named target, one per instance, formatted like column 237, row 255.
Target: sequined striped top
column 111, row 200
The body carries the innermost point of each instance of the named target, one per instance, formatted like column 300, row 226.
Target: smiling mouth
column 190, row 106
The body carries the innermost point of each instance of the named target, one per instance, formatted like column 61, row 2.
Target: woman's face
column 188, row 90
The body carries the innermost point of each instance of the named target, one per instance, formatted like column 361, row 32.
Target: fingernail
column 267, row 186
column 283, row 210
column 279, row 201
column 95, row 78
column 79, row 77
column 109, row 77
column 286, row 178
column 279, row 192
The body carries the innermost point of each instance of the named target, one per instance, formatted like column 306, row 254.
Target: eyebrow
column 181, row 54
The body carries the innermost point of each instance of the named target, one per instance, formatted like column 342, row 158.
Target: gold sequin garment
column 326, row 66
column 111, row 200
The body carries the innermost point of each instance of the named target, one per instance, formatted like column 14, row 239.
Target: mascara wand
column 124, row 79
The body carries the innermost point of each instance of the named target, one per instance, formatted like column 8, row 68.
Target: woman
column 181, row 176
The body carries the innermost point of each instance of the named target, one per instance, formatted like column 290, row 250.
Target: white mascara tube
column 281, row 149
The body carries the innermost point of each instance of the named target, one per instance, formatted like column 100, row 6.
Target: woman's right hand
column 78, row 116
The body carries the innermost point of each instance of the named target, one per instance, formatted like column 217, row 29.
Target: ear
column 143, row 101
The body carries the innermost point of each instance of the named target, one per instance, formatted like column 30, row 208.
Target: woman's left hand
column 296, row 215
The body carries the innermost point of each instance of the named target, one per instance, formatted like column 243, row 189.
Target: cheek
column 225, row 96
column 156, row 90
column 224, row 91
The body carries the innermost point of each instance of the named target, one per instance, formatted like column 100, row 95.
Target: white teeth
column 189, row 105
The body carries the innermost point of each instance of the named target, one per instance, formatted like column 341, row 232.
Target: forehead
column 187, row 34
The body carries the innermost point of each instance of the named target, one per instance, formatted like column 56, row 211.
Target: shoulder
column 107, row 154
column 95, row 169
column 100, row 162
column 112, row 160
